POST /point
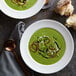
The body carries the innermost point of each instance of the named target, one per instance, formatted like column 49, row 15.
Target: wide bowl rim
column 21, row 14
column 65, row 63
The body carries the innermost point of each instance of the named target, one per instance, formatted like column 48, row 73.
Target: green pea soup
column 54, row 35
column 27, row 5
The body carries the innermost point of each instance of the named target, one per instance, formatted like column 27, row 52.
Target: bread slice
column 46, row 2
column 64, row 7
column 71, row 21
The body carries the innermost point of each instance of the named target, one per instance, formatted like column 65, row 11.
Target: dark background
column 7, row 25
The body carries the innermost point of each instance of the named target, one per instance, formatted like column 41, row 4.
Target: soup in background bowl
column 20, row 4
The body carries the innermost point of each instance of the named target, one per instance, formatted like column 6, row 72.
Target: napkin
column 51, row 4
column 8, row 63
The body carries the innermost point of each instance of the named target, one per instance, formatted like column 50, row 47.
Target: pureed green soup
column 20, row 4
column 47, row 46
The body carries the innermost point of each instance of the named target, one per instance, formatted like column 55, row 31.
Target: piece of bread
column 46, row 2
column 71, row 21
column 64, row 7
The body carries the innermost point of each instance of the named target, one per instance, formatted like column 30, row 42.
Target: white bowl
column 21, row 14
column 46, row 69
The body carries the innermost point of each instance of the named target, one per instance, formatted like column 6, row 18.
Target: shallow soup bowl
column 29, row 9
column 39, row 66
